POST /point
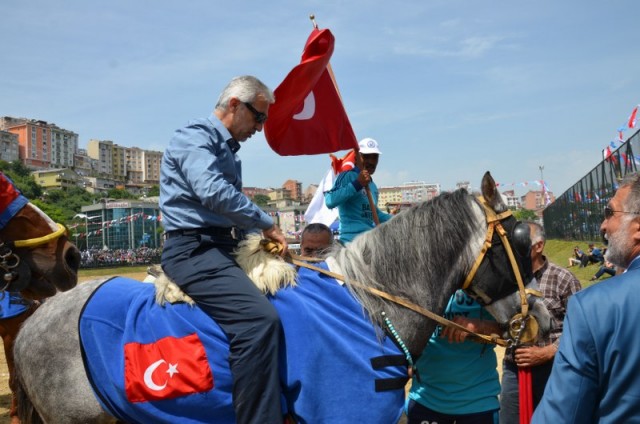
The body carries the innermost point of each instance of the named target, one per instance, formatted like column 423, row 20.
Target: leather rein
column 518, row 323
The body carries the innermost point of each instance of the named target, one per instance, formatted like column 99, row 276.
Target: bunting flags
column 308, row 117
column 632, row 118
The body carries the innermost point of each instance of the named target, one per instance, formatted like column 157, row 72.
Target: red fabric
column 308, row 117
column 632, row 118
column 346, row 163
column 8, row 193
column 525, row 395
column 166, row 369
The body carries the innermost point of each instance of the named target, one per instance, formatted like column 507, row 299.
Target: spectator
column 606, row 268
column 456, row 380
column 577, row 257
column 315, row 240
column 205, row 215
column 349, row 195
column 595, row 255
column 557, row 284
column 595, row 373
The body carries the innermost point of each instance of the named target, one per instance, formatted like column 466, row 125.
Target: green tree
column 261, row 199
column 117, row 193
column 153, row 191
column 525, row 215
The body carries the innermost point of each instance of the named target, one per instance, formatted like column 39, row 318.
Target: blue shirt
column 353, row 204
column 457, row 378
column 201, row 181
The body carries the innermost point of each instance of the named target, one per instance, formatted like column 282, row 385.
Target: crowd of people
column 95, row 258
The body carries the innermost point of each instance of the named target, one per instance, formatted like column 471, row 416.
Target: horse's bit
column 9, row 261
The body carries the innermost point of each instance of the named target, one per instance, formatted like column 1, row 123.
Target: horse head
column 501, row 277
column 36, row 257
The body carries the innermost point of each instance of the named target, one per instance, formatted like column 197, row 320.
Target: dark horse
column 36, row 260
column 346, row 350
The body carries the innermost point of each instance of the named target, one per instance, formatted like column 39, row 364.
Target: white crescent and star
column 148, row 374
column 308, row 108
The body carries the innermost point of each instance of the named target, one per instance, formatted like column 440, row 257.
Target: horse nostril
column 72, row 258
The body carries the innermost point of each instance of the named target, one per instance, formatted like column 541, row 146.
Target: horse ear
column 491, row 194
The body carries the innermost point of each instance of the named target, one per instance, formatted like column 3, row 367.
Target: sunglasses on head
column 608, row 212
column 259, row 116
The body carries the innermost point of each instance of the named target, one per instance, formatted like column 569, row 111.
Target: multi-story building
column 407, row 193
column 511, row 199
column 537, row 200
column 57, row 178
column 295, row 189
column 9, row 146
column 64, row 144
column 151, row 161
column 83, row 164
column 250, row 192
column 101, row 152
column 119, row 162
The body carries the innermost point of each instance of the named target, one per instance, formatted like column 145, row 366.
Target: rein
column 300, row 261
column 519, row 324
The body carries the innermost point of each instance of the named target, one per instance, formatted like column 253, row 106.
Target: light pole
column 541, row 168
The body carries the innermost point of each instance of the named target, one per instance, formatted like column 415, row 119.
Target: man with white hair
column 349, row 195
column 595, row 372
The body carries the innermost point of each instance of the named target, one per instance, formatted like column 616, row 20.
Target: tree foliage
column 525, row 215
column 261, row 200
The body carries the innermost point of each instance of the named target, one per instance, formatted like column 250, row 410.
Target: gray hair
column 245, row 88
column 632, row 202
column 537, row 232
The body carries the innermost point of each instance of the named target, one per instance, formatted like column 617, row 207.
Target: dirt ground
column 5, row 394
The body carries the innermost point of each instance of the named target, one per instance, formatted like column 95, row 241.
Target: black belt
column 231, row 233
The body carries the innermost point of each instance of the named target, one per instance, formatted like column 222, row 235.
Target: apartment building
column 9, row 146
column 409, row 192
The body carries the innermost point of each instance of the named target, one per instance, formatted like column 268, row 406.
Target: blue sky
column 450, row 88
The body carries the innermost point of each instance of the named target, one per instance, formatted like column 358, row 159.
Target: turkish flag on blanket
column 317, row 211
column 308, row 117
column 166, row 369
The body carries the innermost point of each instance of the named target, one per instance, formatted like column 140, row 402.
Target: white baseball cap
column 369, row 146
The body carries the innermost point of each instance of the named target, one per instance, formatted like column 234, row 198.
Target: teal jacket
column 353, row 205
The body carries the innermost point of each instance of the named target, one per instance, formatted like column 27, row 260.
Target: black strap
column 388, row 361
column 396, row 383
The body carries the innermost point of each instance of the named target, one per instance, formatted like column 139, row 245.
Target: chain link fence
column 579, row 211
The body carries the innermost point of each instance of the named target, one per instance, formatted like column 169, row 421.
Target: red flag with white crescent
column 308, row 116
column 166, row 369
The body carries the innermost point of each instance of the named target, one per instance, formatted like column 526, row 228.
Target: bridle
column 10, row 261
column 522, row 327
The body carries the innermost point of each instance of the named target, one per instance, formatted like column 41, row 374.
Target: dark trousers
column 203, row 267
column 419, row 414
column 509, row 396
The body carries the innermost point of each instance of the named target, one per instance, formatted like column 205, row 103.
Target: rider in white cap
column 349, row 196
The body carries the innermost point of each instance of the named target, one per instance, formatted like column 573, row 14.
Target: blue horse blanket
column 149, row 363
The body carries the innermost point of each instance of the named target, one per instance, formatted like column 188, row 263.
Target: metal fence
column 579, row 211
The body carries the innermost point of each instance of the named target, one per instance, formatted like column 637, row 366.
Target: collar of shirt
column 233, row 144
column 538, row 273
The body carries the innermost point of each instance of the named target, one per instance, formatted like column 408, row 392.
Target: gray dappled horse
column 423, row 254
column 36, row 260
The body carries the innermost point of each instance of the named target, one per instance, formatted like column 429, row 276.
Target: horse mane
column 432, row 243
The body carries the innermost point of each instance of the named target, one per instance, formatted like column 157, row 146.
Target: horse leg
column 8, row 331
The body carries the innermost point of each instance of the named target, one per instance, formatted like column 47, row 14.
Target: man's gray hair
column 632, row 203
column 537, row 232
column 245, row 88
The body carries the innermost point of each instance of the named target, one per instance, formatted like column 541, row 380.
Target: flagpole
column 372, row 206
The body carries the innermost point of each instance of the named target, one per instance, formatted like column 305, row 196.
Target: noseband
column 9, row 261
column 522, row 327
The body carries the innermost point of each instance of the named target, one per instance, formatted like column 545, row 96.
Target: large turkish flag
column 166, row 369
column 308, row 116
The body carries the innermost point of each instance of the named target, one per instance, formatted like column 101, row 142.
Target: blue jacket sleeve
column 343, row 189
column 571, row 393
